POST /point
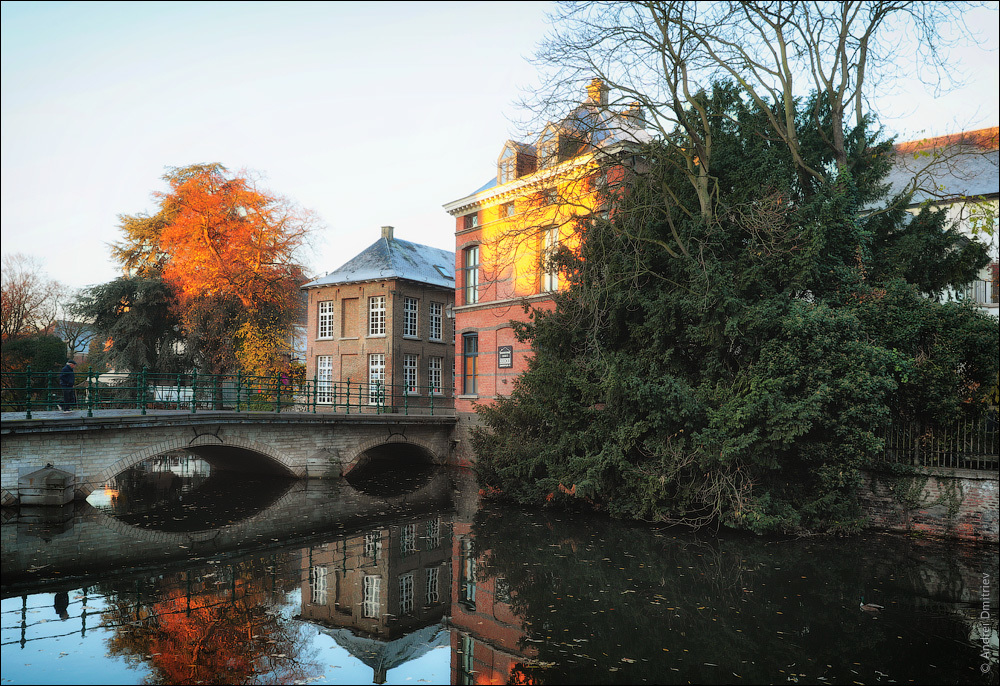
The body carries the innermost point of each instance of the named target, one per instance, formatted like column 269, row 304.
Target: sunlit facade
column 508, row 231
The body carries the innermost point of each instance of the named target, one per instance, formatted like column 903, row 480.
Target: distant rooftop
column 392, row 258
column 948, row 168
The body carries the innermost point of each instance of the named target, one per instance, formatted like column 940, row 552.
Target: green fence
column 967, row 444
column 29, row 392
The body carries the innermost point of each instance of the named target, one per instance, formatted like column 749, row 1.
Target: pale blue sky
column 366, row 113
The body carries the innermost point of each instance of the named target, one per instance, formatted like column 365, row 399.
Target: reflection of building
column 486, row 634
column 380, row 587
column 508, row 231
column 382, row 319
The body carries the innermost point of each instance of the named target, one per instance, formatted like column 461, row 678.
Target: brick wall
column 948, row 503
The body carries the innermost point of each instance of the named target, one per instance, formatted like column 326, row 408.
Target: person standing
column 67, row 379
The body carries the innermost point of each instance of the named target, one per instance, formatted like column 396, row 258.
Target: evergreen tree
column 738, row 365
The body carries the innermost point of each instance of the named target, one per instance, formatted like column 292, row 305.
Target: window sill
column 467, row 397
column 411, row 338
column 323, row 338
column 348, row 338
column 376, row 335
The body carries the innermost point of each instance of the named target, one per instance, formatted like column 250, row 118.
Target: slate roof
column 598, row 126
column 956, row 166
column 391, row 258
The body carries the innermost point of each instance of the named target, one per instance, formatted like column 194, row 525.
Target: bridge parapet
column 322, row 445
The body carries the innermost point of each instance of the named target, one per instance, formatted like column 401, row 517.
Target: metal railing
column 30, row 391
column 967, row 444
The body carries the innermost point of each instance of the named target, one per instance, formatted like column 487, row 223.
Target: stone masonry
column 298, row 444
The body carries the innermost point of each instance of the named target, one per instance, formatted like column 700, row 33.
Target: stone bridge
column 295, row 444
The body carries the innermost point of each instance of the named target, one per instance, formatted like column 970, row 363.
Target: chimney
column 387, row 233
column 634, row 115
column 597, row 92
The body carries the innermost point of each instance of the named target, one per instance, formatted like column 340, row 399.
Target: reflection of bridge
column 98, row 545
column 293, row 443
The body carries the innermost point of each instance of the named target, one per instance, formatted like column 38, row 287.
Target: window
column 349, row 318
column 472, row 220
column 410, row 374
column 432, row 585
column 507, row 210
column 433, row 533
column 372, row 596
column 434, row 365
column 470, row 355
column 472, row 275
column 436, row 321
column 549, row 280
column 406, row 594
column 376, row 315
column 410, row 307
column 547, row 149
column 507, row 167
column 376, row 378
column 373, row 544
column 408, row 539
column 317, row 585
column 325, row 319
column 467, row 581
column 551, row 196
column 324, row 378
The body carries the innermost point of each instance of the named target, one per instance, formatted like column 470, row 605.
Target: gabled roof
column 391, row 258
column 948, row 168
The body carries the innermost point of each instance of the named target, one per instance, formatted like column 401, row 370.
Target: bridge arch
column 362, row 454
column 199, row 441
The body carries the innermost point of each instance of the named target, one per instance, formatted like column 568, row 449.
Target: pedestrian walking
column 67, row 380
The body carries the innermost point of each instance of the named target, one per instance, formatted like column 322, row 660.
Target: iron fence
column 29, row 392
column 967, row 444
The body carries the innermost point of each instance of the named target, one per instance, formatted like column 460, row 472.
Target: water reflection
column 180, row 491
column 331, row 584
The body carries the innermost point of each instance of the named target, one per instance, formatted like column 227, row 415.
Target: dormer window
column 516, row 160
column 507, row 167
column 548, row 148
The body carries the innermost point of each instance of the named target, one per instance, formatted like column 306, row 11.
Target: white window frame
column 376, row 315
column 406, row 594
column 373, row 545
column 376, row 376
column 471, row 257
column 436, row 317
column 318, row 585
column 410, row 362
column 433, row 533
column 411, row 312
column 432, row 585
column 549, row 281
column 324, row 379
column 324, row 320
column 434, row 378
column 372, row 595
column 408, row 539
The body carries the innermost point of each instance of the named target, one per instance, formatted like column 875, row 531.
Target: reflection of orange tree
column 208, row 628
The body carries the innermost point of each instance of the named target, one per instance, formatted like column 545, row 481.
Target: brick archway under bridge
column 298, row 444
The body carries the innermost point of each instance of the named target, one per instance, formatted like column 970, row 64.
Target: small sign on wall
column 505, row 357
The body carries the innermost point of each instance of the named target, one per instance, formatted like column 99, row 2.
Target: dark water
column 176, row 574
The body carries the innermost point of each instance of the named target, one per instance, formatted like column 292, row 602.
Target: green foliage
column 44, row 352
column 737, row 365
column 133, row 323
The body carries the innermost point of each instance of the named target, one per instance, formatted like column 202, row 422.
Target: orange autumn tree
column 230, row 251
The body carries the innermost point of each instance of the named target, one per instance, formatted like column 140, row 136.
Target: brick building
column 382, row 322
column 507, row 230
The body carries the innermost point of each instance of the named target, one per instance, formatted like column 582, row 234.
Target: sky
column 366, row 113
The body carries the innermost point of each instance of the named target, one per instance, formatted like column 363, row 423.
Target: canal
column 174, row 573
